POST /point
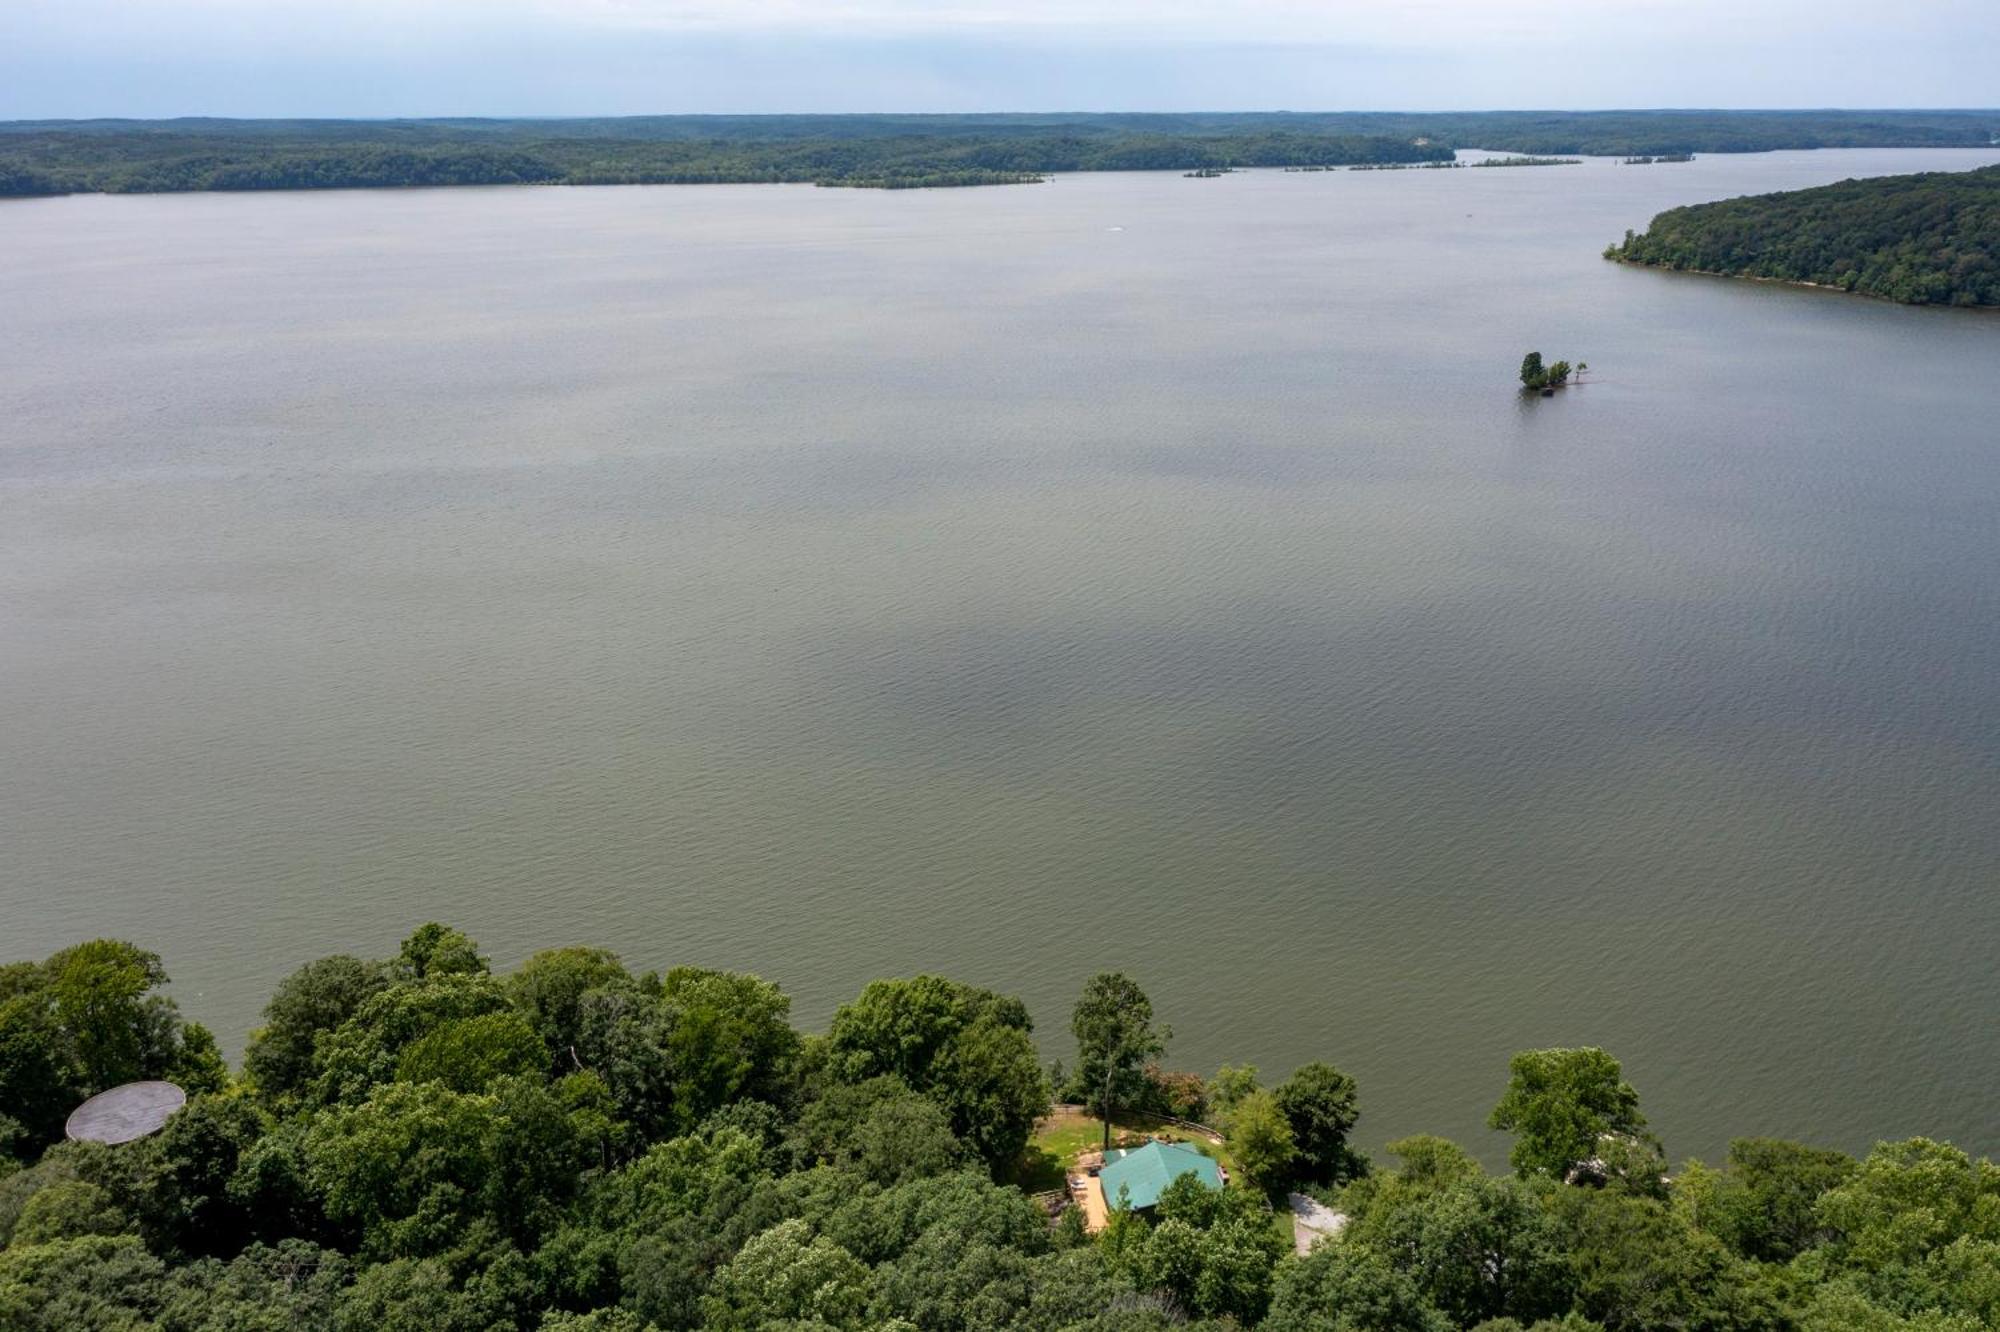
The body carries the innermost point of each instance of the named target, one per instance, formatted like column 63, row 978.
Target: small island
column 1537, row 377
column 1927, row 239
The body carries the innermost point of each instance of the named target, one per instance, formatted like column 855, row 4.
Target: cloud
column 582, row 57
column 1417, row 22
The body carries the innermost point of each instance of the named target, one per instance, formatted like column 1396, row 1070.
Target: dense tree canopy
column 316, row 998
column 87, row 1019
column 135, row 157
column 881, row 151
column 419, row 1145
column 966, row 1048
column 1931, row 239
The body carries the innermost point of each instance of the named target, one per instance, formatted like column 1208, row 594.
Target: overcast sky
column 64, row 58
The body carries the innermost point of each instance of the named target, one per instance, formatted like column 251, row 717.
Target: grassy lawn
column 1069, row 1131
column 1281, row 1221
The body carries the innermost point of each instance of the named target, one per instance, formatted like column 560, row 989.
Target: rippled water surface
column 1127, row 571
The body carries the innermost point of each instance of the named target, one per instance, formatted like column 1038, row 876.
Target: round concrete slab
column 125, row 1113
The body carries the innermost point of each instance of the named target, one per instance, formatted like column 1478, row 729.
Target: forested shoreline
column 1926, row 239
column 418, row 1143
column 339, row 157
column 881, row 151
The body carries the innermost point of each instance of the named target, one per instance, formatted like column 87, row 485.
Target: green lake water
column 1123, row 572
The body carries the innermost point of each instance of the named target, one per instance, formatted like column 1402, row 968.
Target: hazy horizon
column 1058, row 111
column 388, row 59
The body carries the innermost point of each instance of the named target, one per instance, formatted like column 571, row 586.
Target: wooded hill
column 1930, row 239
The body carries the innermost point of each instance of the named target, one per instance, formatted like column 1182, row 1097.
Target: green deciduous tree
column 903, row 1138
column 550, row 987
column 1909, row 1198
column 367, row 1049
column 1476, row 1247
column 989, row 1080
column 1261, row 1139
column 469, row 1054
column 437, row 950
column 1214, row 1252
column 1349, row 1288
column 880, row 1129
column 187, row 1205
column 1637, row 1265
column 731, row 1038
column 597, row 1320
column 784, row 1276
column 1231, row 1083
column 289, row 1287
column 903, row 1026
column 1321, row 1105
column 411, row 1295
column 91, row 1283
column 968, row 1049
column 413, row 1164
column 1115, row 1037
column 1560, row 1104
column 117, row 1029
column 1768, row 1205
column 37, row 1078
column 68, row 1209
column 315, row 999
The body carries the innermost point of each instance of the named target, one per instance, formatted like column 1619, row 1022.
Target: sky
column 83, row 58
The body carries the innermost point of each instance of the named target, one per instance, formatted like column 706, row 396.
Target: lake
column 1122, row 572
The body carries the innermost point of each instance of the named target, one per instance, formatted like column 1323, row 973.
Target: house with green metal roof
column 1143, row 1173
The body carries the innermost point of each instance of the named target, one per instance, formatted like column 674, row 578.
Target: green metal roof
column 1145, row 1172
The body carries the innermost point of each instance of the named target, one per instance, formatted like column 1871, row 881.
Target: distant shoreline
column 885, row 151
column 1022, row 178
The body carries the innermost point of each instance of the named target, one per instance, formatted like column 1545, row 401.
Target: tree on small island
column 1538, row 377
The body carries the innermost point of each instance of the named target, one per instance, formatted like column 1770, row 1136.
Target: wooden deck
column 1096, row 1216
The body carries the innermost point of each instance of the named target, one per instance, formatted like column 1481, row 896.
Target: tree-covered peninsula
column 419, row 1144
column 879, row 153
column 882, row 151
column 1929, row 239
